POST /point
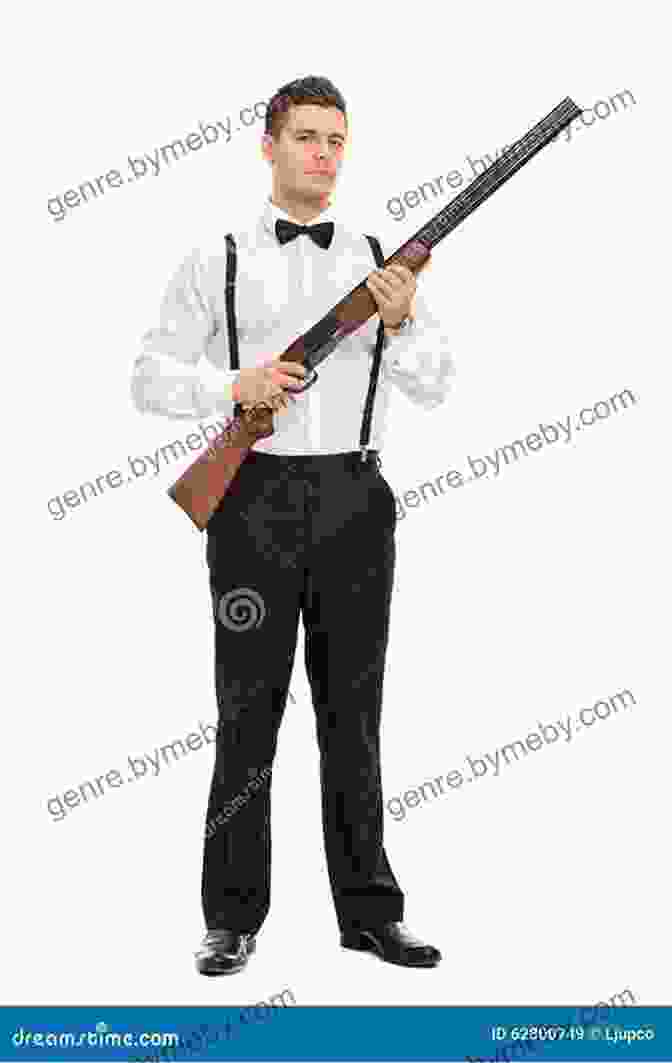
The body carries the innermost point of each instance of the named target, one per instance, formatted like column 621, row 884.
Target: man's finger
column 398, row 278
column 403, row 271
column 279, row 402
column 294, row 368
column 286, row 367
column 386, row 284
column 284, row 381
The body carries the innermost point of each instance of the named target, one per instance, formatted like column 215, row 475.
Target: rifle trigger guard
column 308, row 383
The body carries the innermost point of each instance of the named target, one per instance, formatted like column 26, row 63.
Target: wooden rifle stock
column 200, row 489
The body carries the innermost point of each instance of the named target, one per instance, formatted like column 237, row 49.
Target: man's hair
column 315, row 90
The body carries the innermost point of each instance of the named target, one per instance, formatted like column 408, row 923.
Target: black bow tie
column 322, row 233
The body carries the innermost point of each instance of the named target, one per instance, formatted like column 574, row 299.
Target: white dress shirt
column 281, row 291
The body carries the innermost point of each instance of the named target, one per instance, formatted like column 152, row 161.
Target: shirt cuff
column 395, row 342
column 214, row 388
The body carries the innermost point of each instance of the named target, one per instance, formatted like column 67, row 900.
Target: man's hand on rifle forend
column 266, row 383
column 393, row 290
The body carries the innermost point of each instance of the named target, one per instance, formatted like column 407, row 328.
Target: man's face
column 307, row 155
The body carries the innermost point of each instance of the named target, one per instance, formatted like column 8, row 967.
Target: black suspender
column 375, row 365
column 231, row 264
column 232, row 338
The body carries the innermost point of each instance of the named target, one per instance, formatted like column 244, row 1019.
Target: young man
column 306, row 528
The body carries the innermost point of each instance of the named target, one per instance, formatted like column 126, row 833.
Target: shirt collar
column 272, row 212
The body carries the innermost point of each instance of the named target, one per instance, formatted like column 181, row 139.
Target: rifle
column 200, row 489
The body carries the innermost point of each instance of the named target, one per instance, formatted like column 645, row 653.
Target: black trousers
column 309, row 536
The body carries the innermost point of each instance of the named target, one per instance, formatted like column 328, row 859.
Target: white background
column 518, row 599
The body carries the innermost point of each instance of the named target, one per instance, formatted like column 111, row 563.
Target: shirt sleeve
column 172, row 375
column 419, row 361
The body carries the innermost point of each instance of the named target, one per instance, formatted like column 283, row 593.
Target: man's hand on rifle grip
column 267, row 383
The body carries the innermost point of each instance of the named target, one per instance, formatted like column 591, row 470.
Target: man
column 306, row 528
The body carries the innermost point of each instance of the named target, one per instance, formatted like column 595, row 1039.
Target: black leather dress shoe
column 224, row 952
column 394, row 943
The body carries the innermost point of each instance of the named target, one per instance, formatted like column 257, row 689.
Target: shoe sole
column 373, row 950
column 224, row 971
column 214, row 973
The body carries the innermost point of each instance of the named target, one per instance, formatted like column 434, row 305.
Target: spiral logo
column 241, row 609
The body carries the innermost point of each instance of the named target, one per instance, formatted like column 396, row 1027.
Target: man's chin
column 318, row 189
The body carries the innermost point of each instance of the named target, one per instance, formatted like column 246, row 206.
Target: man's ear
column 267, row 146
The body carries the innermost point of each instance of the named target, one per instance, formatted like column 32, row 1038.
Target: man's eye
column 334, row 143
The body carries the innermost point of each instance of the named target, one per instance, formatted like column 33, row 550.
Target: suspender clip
column 364, row 452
